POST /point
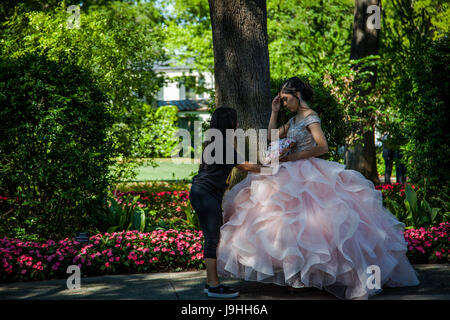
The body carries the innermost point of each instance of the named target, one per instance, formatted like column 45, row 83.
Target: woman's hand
column 248, row 166
column 276, row 103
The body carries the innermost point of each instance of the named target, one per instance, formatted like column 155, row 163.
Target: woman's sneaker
column 222, row 291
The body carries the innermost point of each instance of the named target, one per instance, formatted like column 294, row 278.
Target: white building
column 179, row 90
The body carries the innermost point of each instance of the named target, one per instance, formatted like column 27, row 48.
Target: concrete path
column 435, row 285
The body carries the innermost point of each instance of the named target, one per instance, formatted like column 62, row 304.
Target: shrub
column 423, row 96
column 153, row 186
column 55, row 160
column 152, row 135
column 157, row 139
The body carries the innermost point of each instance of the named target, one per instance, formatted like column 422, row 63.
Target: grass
column 167, row 170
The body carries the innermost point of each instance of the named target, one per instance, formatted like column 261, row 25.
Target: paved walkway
column 435, row 285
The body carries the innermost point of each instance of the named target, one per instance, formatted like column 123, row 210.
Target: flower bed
column 431, row 245
column 171, row 250
column 394, row 191
column 168, row 202
column 119, row 252
column 162, row 209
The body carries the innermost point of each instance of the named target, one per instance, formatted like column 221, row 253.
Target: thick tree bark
column 364, row 43
column 241, row 62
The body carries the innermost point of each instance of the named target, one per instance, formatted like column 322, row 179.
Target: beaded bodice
column 299, row 132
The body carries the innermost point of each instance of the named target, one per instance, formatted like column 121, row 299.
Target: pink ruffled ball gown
column 312, row 224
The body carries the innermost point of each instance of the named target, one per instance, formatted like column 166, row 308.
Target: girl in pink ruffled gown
column 313, row 223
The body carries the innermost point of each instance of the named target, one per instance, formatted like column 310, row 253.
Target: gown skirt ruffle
column 313, row 224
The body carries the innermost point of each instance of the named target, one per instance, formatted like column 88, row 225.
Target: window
column 190, row 85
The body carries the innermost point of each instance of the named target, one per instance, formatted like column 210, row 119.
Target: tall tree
column 241, row 61
column 362, row 156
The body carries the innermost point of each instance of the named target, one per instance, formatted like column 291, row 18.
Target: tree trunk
column 241, row 62
column 364, row 43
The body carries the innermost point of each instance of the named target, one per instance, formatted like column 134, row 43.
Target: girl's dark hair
column 294, row 84
column 222, row 119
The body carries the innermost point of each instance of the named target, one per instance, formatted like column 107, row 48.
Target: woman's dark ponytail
column 222, row 119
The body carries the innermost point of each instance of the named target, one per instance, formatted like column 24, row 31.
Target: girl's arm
column 273, row 121
column 321, row 148
column 247, row 166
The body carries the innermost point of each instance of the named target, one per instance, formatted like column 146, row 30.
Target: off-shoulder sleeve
column 291, row 121
column 311, row 119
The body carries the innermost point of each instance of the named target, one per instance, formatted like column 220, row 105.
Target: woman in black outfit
column 206, row 193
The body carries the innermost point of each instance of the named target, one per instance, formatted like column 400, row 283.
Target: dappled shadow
column 434, row 281
column 140, row 286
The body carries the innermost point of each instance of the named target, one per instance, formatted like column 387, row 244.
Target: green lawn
column 166, row 170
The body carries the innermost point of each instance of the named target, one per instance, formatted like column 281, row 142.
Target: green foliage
column 416, row 212
column 191, row 216
column 128, row 216
column 165, row 207
column 414, row 20
column 118, row 42
column 414, row 73
column 157, row 136
column 307, row 36
column 423, row 95
column 346, row 82
column 54, row 163
column 153, row 186
column 304, row 36
column 188, row 26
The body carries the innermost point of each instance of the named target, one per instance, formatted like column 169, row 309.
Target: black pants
column 400, row 171
column 209, row 211
column 388, row 164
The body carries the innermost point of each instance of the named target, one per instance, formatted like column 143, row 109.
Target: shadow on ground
column 434, row 280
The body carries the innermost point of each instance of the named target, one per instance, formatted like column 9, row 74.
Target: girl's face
column 289, row 101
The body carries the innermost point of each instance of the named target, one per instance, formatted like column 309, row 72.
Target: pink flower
column 107, row 264
column 132, row 256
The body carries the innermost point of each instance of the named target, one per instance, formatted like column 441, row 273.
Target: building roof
column 173, row 64
column 185, row 105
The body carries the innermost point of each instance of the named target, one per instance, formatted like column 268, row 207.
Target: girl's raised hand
column 276, row 103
